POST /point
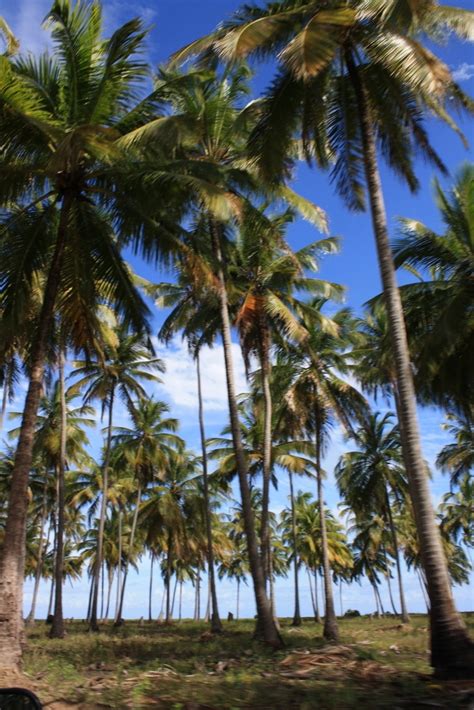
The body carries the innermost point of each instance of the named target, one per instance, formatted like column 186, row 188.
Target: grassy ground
column 379, row 664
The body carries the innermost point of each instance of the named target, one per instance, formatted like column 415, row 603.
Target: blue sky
column 174, row 23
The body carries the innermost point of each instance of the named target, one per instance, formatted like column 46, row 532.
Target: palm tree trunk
column 119, row 566
column 237, row 609
column 330, row 630
column 423, row 590
column 150, row 589
column 264, row 610
column 311, row 590
column 110, row 580
column 102, row 591
column 51, row 600
column 340, row 597
column 297, row 615
column 4, row 401
column 267, row 444
column 393, row 531
column 169, row 567
column 180, row 615
column 93, row 625
column 174, row 594
column 271, row 581
column 452, row 651
column 382, row 610
column 118, row 619
column 318, row 615
column 89, row 603
column 30, row 619
column 12, row 556
column 57, row 629
column 377, row 610
column 216, row 624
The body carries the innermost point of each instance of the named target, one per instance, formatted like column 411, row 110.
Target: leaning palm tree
column 354, row 81
column 372, row 477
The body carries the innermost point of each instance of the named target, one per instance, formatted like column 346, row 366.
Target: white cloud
column 179, row 381
column 463, row 72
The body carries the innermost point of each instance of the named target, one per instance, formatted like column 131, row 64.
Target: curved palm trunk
column 330, row 630
column 150, row 589
column 93, row 625
column 174, row 594
column 264, row 611
column 41, row 547
column 267, row 445
column 393, row 531
column 12, row 558
column 297, row 615
column 57, row 629
column 452, row 651
column 216, row 624
column 118, row 618
column 389, row 585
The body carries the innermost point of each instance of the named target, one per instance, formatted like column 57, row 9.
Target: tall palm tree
column 316, row 397
column 371, row 477
column 265, row 276
column 145, row 448
column 128, row 361
column 354, row 81
column 438, row 308
column 60, row 117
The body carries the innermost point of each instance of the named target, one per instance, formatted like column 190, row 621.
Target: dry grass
column 379, row 664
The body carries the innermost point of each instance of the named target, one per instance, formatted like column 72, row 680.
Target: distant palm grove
column 103, row 156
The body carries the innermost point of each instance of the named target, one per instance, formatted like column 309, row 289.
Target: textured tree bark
column 330, row 629
column 216, row 624
column 93, row 625
column 30, row 620
column 264, row 611
column 297, row 615
column 118, row 619
column 57, row 629
column 452, row 651
column 12, row 558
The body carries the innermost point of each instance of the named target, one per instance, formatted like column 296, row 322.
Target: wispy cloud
column 179, row 382
column 463, row 72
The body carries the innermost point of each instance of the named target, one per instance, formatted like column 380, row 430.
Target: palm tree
column 265, row 275
column 146, row 449
column 127, row 361
column 234, row 565
column 317, row 397
column 8, row 38
column 354, row 80
column 458, row 458
column 164, row 514
column 438, row 308
column 369, row 557
column 369, row 477
column 457, row 511
column 60, row 118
